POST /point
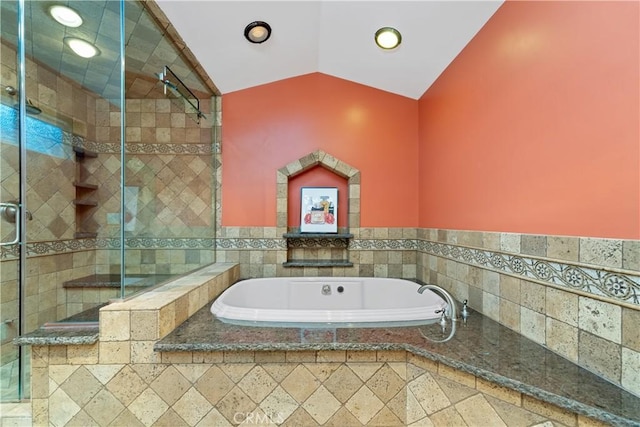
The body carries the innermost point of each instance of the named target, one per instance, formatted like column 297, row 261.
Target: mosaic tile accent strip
column 620, row 286
column 384, row 244
column 139, row 148
column 62, row 246
column 228, row 243
column 616, row 285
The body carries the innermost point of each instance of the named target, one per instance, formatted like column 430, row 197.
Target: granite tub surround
column 486, row 375
column 555, row 290
column 319, row 377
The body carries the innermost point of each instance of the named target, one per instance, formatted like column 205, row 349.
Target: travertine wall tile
column 142, row 352
column 562, row 338
column 144, row 325
column 510, row 288
column 391, row 356
column 58, row 355
column 548, row 410
column 82, row 354
column 631, row 328
column 562, row 305
column 533, row 296
column 510, row 314
column 115, row 325
column 600, row 318
column 603, row 252
column 490, row 281
column 335, row 393
column 457, row 376
column 477, row 411
column 563, row 248
column 510, row 242
column 631, row 370
column 491, row 306
column 600, row 356
column 111, row 352
column 532, row 325
column 631, row 255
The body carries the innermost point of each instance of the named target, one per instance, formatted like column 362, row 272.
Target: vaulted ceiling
column 330, row 36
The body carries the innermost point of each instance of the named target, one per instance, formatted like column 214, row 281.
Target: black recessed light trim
column 257, row 32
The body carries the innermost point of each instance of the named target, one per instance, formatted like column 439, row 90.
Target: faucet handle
column 464, row 313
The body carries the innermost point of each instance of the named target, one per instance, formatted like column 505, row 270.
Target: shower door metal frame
column 21, row 217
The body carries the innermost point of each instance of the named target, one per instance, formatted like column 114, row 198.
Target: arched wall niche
column 311, row 160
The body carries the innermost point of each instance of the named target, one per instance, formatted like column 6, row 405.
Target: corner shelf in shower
column 85, row 196
column 81, row 152
column 85, row 185
column 79, row 202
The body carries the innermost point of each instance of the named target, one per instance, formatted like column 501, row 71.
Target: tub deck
column 482, row 348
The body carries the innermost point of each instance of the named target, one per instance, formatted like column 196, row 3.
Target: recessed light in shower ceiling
column 388, row 38
column 82, row 47
column 65, row 16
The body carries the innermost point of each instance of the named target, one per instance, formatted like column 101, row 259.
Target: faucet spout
column 453, row 307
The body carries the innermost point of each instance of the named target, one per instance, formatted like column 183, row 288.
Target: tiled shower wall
column 580, row 297
column 50, row 193
column 170, row 162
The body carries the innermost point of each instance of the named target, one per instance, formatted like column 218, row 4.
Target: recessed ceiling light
column 65, row 15
column 388, row 38
column 82, row 47
column 257, row 32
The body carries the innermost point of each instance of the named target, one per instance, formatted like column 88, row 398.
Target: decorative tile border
column 384, row 244
column 63, row 246
column 139, row 148
column 604, row 282
column 259, row 244
column 619, row 286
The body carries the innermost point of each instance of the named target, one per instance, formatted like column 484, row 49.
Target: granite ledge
column 60, row 336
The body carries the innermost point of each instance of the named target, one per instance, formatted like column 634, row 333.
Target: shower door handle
column 6, row 211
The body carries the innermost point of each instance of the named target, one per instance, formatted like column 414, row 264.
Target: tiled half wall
column 298, row 388
column 580, row 297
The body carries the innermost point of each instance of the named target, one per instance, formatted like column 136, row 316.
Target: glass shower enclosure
column 106, row 169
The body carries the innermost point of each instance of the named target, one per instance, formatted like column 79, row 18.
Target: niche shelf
column 85, row 195
column 317, row 250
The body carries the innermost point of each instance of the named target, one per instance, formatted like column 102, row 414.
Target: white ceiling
column 329, row 36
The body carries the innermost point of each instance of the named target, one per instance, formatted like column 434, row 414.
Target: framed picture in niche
column 319, row 210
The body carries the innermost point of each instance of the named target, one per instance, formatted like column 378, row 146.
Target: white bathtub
column 351, row 300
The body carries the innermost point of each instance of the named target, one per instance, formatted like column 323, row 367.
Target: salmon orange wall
column 266, row 127
column 534, row 128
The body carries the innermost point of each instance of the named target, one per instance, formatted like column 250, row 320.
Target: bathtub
column 320, row 300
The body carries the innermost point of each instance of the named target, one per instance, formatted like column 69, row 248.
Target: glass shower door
column 10, row 231
column 60, row 171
